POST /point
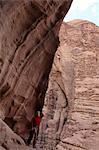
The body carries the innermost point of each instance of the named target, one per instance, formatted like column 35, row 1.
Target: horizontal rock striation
column 72, row 100
column 28, row 41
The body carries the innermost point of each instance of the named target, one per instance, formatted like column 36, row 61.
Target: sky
column 84, row 9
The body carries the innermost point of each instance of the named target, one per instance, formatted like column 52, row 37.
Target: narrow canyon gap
column 28, row 41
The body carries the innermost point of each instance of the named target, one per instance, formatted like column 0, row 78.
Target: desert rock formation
column 28, row 40
column 72, row 100
column 10, row 140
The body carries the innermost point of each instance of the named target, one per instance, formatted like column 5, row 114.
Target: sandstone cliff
column 72, row 100
column 28, row 41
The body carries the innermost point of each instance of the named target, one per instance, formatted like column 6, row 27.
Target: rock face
column 28, row 41
column 10, row 140
column 72, row 100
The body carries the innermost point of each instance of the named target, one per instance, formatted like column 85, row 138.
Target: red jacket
column 37, row 120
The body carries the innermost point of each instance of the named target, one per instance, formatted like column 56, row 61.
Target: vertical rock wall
column 72, row 99
column 28, row 41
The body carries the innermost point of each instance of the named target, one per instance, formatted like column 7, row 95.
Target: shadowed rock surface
column 73, row 91
column 9, row 140
column 28, row 41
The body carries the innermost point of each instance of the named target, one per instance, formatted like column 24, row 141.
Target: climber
column 38, row 118
column 35, row 128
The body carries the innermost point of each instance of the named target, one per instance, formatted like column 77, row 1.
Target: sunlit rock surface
column 73, row 91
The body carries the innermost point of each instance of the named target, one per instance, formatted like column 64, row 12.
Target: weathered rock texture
column 9, row 140
column 73, row 91
column 28, row 41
